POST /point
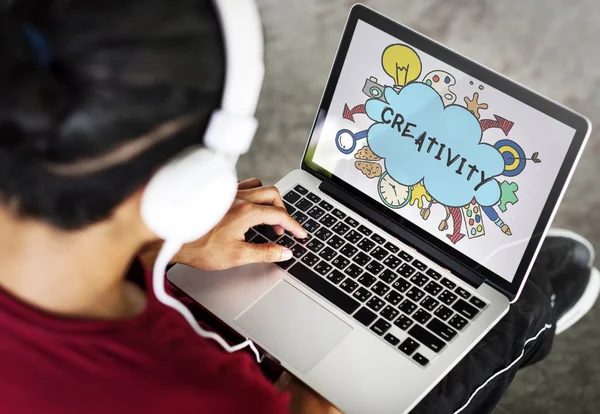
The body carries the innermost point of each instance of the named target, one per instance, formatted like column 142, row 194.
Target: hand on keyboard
column 225, row 245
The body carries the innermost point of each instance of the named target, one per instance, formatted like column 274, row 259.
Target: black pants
column 524, row 336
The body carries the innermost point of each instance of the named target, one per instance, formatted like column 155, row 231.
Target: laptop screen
column 469, row 164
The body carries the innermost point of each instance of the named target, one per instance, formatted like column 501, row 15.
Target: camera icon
column 373, row 89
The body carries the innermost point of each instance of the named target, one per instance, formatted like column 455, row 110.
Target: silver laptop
column 427, row 186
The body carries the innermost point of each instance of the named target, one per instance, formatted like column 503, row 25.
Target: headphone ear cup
column 188, row 196
column 443, row 225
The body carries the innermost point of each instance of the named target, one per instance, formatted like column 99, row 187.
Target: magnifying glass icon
column 345, row 140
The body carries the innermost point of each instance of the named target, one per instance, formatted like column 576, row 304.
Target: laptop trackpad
column 293, row 326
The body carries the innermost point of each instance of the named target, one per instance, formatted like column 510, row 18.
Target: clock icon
column 392, row 193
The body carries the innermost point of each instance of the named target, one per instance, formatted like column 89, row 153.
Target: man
column 80, row 330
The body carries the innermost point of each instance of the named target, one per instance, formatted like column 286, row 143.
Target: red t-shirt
column 153, row 363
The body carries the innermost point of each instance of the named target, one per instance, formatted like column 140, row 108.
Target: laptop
column 427, row 186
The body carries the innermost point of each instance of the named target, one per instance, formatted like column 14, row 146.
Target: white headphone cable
column 168, row 251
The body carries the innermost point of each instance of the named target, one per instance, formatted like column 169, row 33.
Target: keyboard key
column 381, row 326
column 477, row 302
column 392, row 248
column 323, row 233
column 462, row 293
column 365, row 316
column 351, row 222
column 303, row 241
column 443, row 312
column 441, row 329
column 377, row 239
column 310, row 225
column 365, row 230
column 292, row 197
column 387, row 276
column 362, row 294
column 366, row 280
column 447, row 297
column 380, row 253
column 286, row 264
column 407, row 307
column 426, row 338
column 406, row 270
column 458, row 322
column 348, row 250
column 289, row 208
column 393, row 297
column 313, row 197
column 325, row 205
column 429, row 303
column 340, row 262
column 415, row 294
column 433, row 274
column 421, row 360
column 366, row 245
column 327, row 254
column 323, row 268
column 391, row 339
column 419, row 279
column 421, row 316
column 339, row 214
column 328, row 220
column 405, row 256
column 465, row 309
column 433, row 288
column 336, row 277
column 298, row 251
column 258, row 239
column 392, row 262
column 408, row 346
column 353, row 271
column 316, row 212
column 324, row 288
column 310, row 259
column 340, row 228
column 448, row 283
column 349, row 285
column 249, row 234
column 267, row 231
column 380, row 288
column 374, row 267
column 419, row 265
column 403, row 322
column 336, row 242
column 353, row 237
column 401, row 285
column 389, row 313
column 300, row 217
column 301, row 189
column 303, row 204
column 375, row 303
column 361, row 258
column 314, row 245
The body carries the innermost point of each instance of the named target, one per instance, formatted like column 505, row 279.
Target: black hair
column 118, row 69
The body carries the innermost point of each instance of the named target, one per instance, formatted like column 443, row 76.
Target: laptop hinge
column 403, row 234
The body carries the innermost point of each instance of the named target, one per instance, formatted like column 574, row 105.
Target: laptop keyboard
column 375, row 281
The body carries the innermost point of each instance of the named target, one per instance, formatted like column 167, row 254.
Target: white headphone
column 191, row 194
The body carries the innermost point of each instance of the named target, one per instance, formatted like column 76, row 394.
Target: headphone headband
column 232, row 127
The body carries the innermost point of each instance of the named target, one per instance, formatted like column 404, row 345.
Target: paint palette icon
column 473, row 220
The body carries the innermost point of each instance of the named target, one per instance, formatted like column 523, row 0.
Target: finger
column 249, row 183
column 263, row 195
column 254, row 215
column 263, row 253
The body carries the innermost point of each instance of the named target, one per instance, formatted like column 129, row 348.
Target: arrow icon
column 349, row 113
column 504, row 124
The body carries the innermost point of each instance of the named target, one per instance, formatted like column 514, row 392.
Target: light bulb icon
column 401, row 63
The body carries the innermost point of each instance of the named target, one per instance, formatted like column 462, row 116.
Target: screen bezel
column 487, row 76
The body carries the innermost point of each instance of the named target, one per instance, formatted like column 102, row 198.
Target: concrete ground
column 548, row 45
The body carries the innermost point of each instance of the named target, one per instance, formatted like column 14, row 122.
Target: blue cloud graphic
column 420, row 139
